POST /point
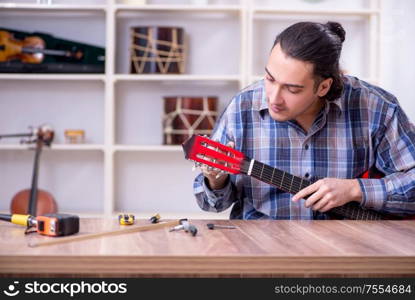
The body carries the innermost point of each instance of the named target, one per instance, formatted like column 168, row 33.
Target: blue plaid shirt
column 362, row 129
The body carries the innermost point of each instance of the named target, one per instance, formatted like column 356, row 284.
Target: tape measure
column 48, row 224
column 126, row 219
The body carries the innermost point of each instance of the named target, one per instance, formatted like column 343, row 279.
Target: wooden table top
column 254, row 248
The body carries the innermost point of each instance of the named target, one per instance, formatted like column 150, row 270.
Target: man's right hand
column 216, row 183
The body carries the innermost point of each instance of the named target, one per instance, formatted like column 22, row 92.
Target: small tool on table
column 155, row 219
column 186, row 226
column 48, row 224
column 126, row 219
column 212, row 226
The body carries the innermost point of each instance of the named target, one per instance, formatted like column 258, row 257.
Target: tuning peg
column 230, row 154
column 220, row 174
column 201, row 156
column 196, row 165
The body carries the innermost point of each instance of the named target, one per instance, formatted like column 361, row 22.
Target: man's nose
column 275, row 97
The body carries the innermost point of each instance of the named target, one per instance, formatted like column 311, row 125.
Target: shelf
column 28, row 76
column 152, row 77
column 79, row 147
column 52, row 7
column 179, row 8
column 148, row 148
column 186, row 8
column 337, row 12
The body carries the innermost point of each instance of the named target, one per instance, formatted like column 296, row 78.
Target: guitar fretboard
column 46, row 51
column 293, row 184
column 282, row 180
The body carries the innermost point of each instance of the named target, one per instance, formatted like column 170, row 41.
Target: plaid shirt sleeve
column 395, row 157
column 217, row 200
column 212, row 200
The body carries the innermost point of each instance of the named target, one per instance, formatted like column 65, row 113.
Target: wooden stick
column 104, row 233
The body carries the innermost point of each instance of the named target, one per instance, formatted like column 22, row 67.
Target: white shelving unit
column 123, row 166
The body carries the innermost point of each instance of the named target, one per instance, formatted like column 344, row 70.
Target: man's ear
column 324, row 87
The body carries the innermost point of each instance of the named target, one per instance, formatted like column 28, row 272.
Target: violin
column 29, row 50
column 34, row 201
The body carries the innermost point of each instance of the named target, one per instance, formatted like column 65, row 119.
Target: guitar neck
column 281, row 179
column 293, row 184
column 47, row 51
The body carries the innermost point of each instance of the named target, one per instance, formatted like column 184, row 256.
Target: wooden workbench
column 255, row 248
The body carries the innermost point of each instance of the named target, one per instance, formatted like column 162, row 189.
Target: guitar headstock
column 205, row 151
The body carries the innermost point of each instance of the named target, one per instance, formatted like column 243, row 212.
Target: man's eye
column 269, row 78
column 293, row 90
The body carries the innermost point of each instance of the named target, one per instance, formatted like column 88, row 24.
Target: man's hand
column 328, row 193
column 216, row 183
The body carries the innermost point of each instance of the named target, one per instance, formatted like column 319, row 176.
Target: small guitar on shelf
column 215, row 155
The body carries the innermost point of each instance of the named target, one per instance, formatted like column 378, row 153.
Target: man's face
column 289, row 86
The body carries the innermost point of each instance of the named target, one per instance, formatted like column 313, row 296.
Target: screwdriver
column 212, row 226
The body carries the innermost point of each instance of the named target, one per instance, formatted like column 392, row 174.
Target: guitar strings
column 279, row 181
column 281, row 178
column 273, row 175
column 296, row 182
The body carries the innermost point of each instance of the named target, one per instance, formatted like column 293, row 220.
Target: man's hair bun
column 337, row 29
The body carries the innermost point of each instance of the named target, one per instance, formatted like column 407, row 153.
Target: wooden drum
column 185, row 116
column 158, row 50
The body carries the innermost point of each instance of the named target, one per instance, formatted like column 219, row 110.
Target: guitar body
column 14, row 49
column 45, row 203
column 205, row 151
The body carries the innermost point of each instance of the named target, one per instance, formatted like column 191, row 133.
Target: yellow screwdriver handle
column 20, row 219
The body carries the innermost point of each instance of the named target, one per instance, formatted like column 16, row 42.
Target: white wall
column 398, row 52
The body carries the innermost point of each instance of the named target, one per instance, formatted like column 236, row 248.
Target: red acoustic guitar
column 205, row 151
